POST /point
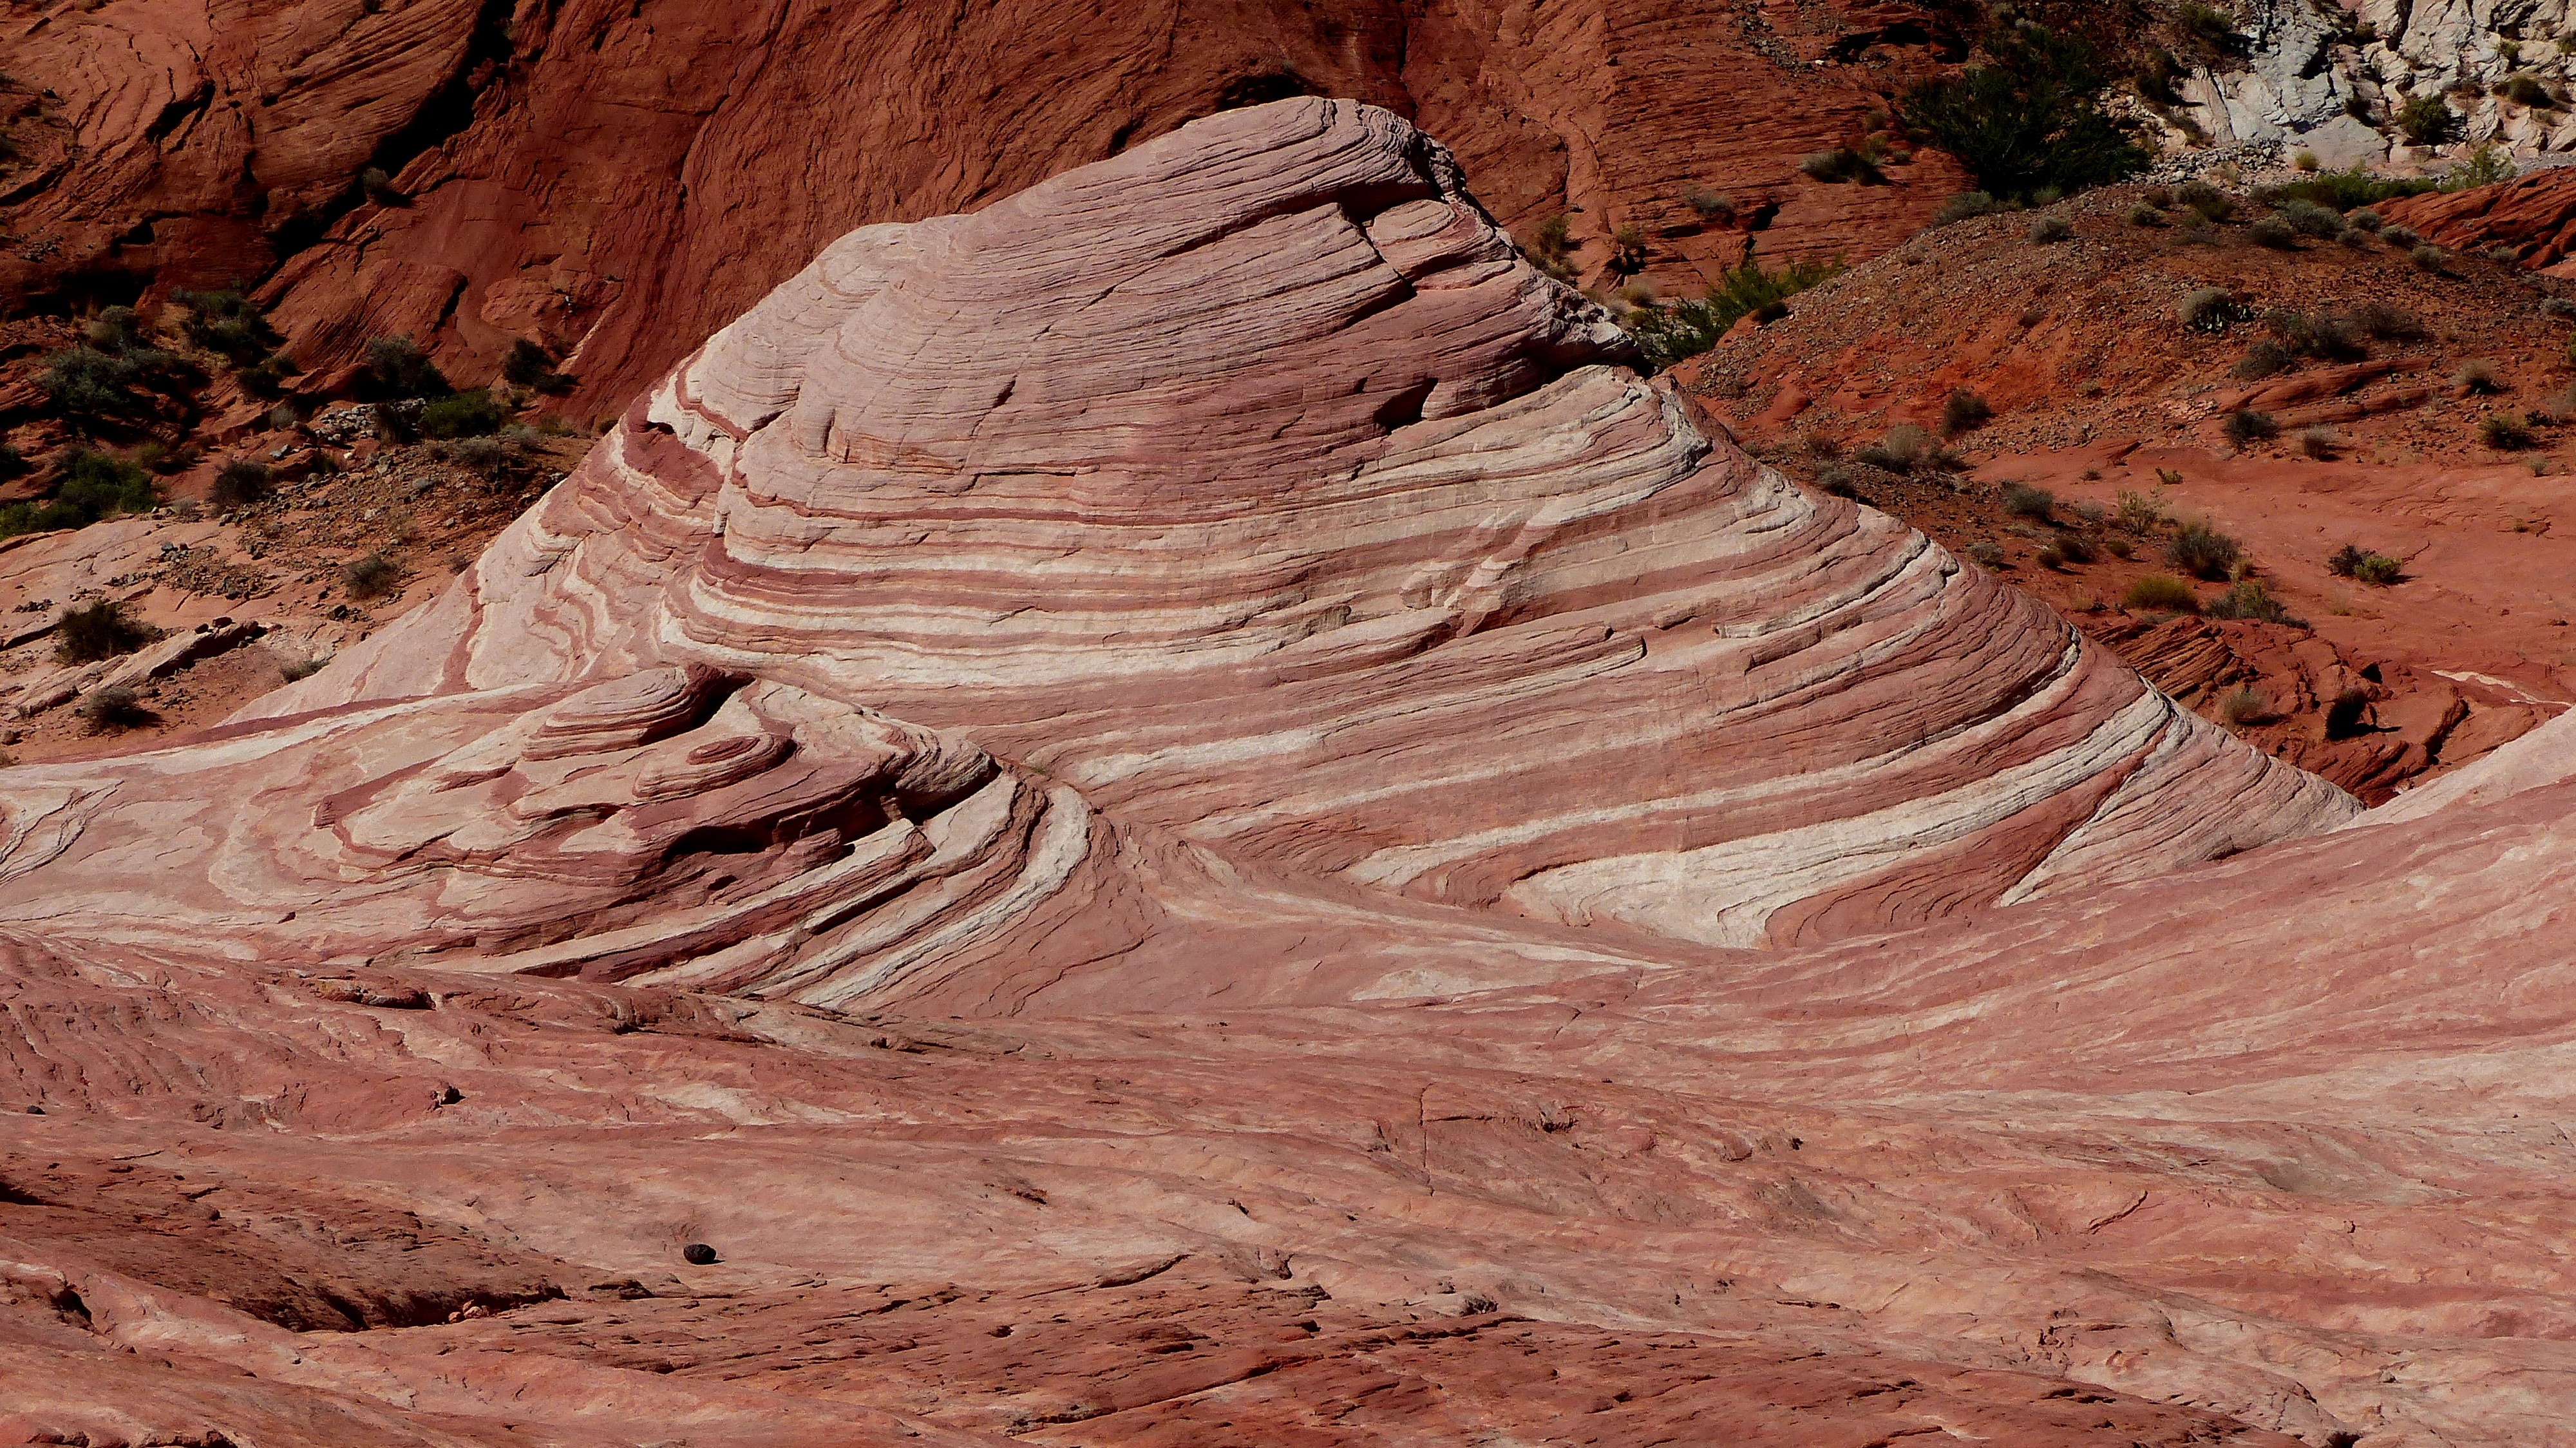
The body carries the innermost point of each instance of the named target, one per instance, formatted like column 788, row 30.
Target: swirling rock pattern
column 1294, row 516
column 1181, row 809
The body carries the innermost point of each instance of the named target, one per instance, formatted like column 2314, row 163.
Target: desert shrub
column 2345, row 716
column 2210, row 203
column 238, row 484
column 2072, row 546
column 2211, row 310
column 2275, row 233
column 87, row 486
column 1685, row 329
column 114, row 707
column 96, row 630
column 2403, row 238
column 2386, row 323
column 1964, row 411
column 371, row 577
column 1628, row 250
column 1840, row 166
column 2170, row 477
column 296, row 669
column 2427, row 120
column 529, row 365
column 2354, row 237
column 2026, row 120
column 378, row 187
column 266, row 377
column 86, row 382
column 2482, row 167
column 2346, row 561
column 2327, row 336
column 2364, row 219
column 2305, row 161
column 2117, row 546
column 2247, row 598
column 2160, row 593
column 12, row 461
column 465, row 414
column 2309, row 219
column 2430, row 258
column 2049, row 230
column 2202, row 551
column 1905, row 448
column 2560, row 308
column 2024, row 501
column 2265, row 359
column 2346, row 190
column 2504, row 432
column 225, row 322
column 2144, row 215
column 2137, row 513
column 2248, row 426
column 1986, row 554
column 2244, row 706
column 1712, row 206
column 1967, row 205
column 2378, row 569
column 2208, row 22
column 2320, row 443
column 2478, row 377
column 1837, row 481
column 396, row 368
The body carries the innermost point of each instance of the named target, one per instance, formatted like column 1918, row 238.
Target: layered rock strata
column 1181, row 808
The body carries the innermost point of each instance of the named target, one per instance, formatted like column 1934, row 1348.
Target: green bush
column 2430, row 258
column 466, row 414
column 2484, row 166
column 2247, row 598
column 2309, row 219
column 2211, row 310
column 238, row 484
column 1841, row 165
column 2247, row 426
column 1905, row 448
column 2427, row 120
column 2024, row 501
column 88, row 486
column 2026, row 121
column 2379, row 570
column 2364, row 220
column 2265, row 359
column 2212, row 203
column 2202, row 551
column 2049, row 230
column 1667, row 334
column 396, row 368
column 2160, row 593
column 114, row 707
column 1964, row 411
column 2347, row 190
column 371, row 577
column 1967, row 205
column 2275, row 233
column 225, row 322
column 2383, row 322
column 94, row 631
column 529, row 365
column 2526, row 90
column 2504, row 432
column 2326, row 336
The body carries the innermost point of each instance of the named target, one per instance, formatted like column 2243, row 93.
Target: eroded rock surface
column 1180, row 809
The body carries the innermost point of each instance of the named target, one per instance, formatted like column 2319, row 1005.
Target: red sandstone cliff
column 619, row 179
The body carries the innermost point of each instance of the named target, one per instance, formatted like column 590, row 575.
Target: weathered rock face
column 1180, row 810
column 1209, row 511
column 620, row 179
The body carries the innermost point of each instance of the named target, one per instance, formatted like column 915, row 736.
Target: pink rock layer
column 1181, row 810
